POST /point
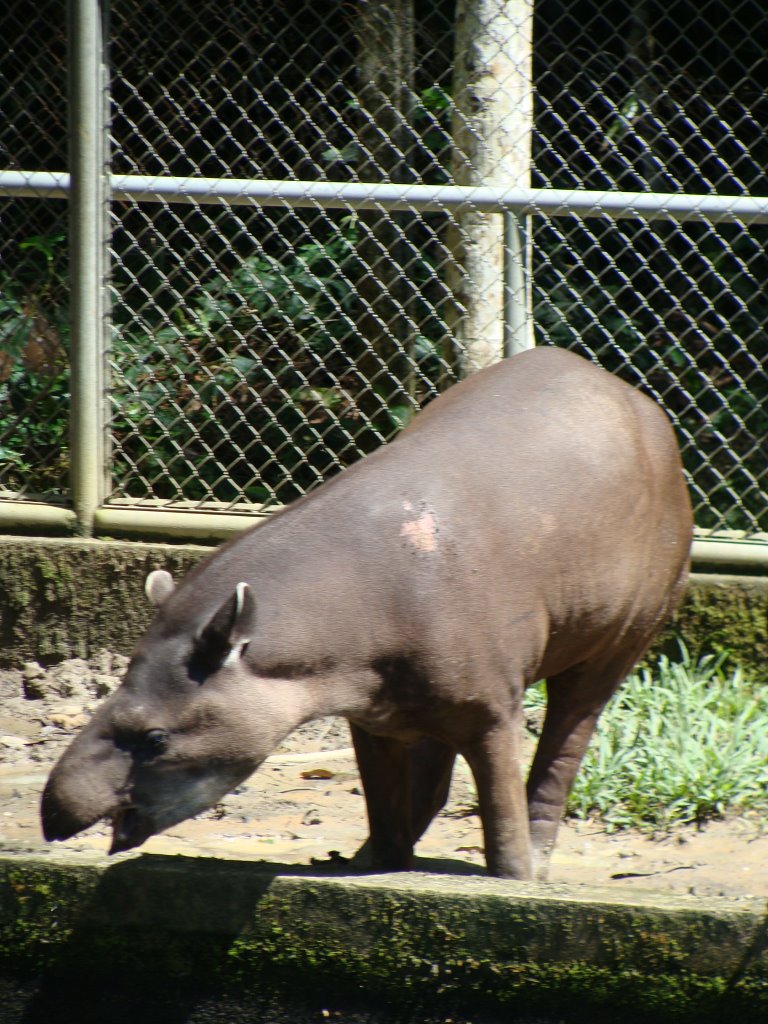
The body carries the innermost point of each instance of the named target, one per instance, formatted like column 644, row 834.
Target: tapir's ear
column 159, row 586
column 234, row 624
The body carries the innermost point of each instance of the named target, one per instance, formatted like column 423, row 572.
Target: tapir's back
column 540, row 498
column 543, row 486
column 537, row 398
column 548, row 432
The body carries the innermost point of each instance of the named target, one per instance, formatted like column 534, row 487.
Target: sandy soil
column 305, row 806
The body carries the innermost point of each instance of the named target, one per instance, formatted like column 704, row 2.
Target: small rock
column 109, row 665
column 101, row 662
column 14, row 742
column 11, row 684
column 35, row 683
column 72, row 710
column 18, row 725
column 102, row 684
column 120, row 664
column 69, row 679
column 69, row 723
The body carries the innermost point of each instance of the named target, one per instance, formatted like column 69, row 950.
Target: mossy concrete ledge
column 64, row 598
column 161, row 927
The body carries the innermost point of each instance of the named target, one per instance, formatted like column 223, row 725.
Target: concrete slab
column 482, row 948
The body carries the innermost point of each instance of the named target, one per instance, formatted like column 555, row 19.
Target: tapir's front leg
column 430, row 767
column 385, row 772
column 495, row 764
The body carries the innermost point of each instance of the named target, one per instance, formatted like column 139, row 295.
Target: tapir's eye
column 152, row 743
column 144, row 746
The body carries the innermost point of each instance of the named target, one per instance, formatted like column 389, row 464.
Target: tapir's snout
column 86, row 785
column 67, row 807
column 64, row 812
column 62, row 819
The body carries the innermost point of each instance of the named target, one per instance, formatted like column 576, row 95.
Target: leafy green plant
column 302, row 300
column 432, row 118
column 255, row 375
column 682, row 744
column 34, row 376
column 431, row 115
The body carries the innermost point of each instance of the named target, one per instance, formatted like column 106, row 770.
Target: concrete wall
column 187, row 941
column 68, row 598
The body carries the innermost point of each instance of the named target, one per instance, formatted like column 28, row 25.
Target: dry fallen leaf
column 317, row 773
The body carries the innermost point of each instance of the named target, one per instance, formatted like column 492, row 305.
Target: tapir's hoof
column 392, row 860
column 333, row 860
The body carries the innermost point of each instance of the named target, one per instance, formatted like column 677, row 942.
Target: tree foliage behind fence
column 257, row 350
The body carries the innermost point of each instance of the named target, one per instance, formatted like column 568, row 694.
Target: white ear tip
column 159, row 586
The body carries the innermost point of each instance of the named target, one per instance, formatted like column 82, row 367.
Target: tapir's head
column 180, row 732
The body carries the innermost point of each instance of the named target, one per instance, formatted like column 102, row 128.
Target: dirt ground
column 305, row 806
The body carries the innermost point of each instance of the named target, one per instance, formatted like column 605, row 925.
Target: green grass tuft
column 680, row 744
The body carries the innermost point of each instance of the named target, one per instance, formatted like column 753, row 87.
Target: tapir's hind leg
column 495, row 764
column 575, row 699
column 431, row 770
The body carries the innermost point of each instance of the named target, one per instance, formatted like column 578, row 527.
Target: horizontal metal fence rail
column 390, row 196
column 716, row 553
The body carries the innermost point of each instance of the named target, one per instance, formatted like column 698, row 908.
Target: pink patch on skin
column 421, row 532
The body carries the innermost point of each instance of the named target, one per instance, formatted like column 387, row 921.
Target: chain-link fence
column 34, row 335
column 255, row 349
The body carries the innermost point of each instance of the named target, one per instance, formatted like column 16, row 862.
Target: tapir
column 531, row 523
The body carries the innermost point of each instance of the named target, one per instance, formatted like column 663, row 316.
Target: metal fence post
column 88, row 261
column 492, row 132
column 518, row 315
